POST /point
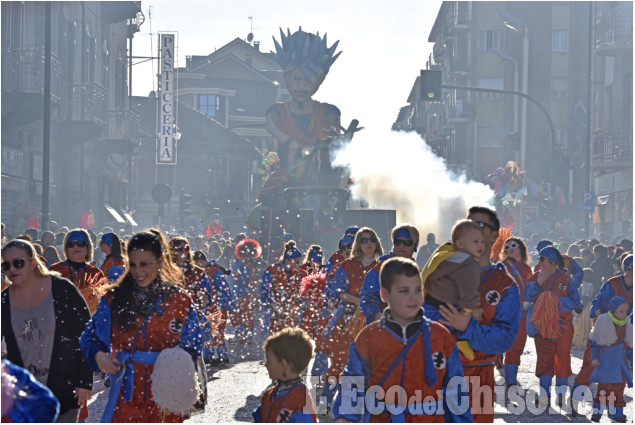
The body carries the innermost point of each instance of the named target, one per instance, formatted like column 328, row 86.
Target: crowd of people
column 148, row 314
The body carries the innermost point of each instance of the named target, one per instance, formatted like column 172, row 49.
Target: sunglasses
column 347, row 246
column 73, row 244
column 511, row 246
column 18, row 263
column 405, row 242
column 181, row 248
column 489, row 226
column 367, row 240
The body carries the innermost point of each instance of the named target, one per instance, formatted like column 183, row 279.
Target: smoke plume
column 399, row 171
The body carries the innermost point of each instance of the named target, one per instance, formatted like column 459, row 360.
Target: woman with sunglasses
column 516, row 262
column 344, row 289
column 145, row 312
column 43, row 316
column 553, row 353
column 621, row 286
column 78, row 250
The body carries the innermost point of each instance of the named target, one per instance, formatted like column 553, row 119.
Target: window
column 208, row 104
column 489, row 40
column 559, row 89
column 560, row 41
column 489, row 83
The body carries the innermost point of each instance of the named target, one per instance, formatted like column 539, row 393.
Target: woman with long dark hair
column 114, row 264
column 146, row 312
column 43, row 316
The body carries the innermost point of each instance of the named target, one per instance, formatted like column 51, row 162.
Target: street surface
column 234, row 390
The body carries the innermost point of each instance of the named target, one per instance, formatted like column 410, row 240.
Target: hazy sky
column 384, row 44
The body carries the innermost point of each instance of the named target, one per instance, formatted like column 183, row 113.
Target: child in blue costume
column 611, row 336
column 288, row 354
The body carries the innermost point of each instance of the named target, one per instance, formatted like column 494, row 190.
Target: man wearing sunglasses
column 496, row 331
column 405, row 239
column 622, row 286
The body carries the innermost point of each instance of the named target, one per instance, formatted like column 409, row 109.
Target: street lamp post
column 515, row 24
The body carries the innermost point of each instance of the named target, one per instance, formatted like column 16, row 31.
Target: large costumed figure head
column 303, row 55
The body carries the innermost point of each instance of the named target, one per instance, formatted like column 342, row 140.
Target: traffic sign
column 161, row 193
column 587, row 202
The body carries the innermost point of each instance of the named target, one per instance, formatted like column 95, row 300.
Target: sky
column 384, row 44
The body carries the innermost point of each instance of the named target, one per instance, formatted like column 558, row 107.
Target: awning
column 129, row 219
column 602, row 200
column 113, row 212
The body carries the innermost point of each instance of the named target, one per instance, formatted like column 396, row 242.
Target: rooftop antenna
column 250, row 36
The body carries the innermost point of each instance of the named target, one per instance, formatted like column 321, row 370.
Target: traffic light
column 185, row 204
column 430, row 85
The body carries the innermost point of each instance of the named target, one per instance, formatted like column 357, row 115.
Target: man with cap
column 344, row 248
column 280, row 290
column 616, row 286
column 405, row 239
column 277, row 253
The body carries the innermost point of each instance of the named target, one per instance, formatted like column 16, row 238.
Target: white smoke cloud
column 399, row 171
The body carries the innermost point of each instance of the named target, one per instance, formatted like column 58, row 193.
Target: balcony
column 89, row 103
column 124, row 126
column 459, row 18
column 614, row 35
column 23, row 83
column 612, row 150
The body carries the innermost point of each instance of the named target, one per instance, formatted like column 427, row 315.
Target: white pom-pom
column 603, row 332
column 175, row 385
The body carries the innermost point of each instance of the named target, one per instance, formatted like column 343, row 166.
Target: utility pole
column 46, row 134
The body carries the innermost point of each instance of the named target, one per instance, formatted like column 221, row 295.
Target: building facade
column 541, row 49
column 612, row 124
column 93, row 131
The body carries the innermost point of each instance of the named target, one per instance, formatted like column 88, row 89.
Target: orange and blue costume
column 492, row 335
column 521, row 272
column 420, row 358
column 217, row 311
column 280, row 290
column 554, row 355
column 347, row 321
column 171, row 322
column 285, row 402
column 615, row 286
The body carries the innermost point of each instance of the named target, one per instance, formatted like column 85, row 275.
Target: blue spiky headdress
column 307, row 51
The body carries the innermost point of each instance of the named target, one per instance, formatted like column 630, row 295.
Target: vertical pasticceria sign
column 166, row 142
